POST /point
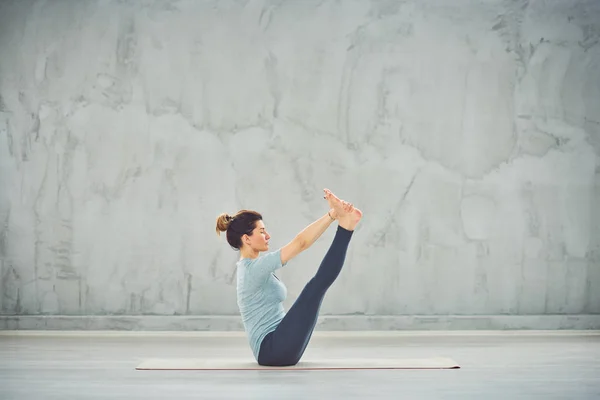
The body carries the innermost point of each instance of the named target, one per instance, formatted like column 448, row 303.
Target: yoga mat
column 313, row 364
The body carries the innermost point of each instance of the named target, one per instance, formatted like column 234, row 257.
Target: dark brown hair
column 242, row 223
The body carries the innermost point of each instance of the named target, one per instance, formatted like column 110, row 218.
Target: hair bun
column 223, row 222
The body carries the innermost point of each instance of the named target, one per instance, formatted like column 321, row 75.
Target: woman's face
column 259, row 240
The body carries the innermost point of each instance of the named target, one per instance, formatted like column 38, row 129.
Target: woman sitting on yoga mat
column 278, row 338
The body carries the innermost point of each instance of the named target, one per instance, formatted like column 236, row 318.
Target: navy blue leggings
column 286, row 344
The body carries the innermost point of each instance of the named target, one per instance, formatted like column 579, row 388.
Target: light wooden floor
column 96, row 365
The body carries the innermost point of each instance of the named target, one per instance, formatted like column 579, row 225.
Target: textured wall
column 468, row 133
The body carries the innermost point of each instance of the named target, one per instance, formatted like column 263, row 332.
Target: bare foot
column 347, row 215
column 334, row 202
column 351, row 219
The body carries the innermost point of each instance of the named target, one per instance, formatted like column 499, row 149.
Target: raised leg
column 286, row 345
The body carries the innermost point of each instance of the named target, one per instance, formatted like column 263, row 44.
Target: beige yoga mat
column 313, row 364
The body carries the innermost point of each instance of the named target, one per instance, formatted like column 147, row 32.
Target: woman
column 278, row 338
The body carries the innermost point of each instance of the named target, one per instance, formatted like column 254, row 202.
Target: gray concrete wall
column 468, row 133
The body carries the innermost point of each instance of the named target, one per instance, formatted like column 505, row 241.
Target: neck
column 248, row 253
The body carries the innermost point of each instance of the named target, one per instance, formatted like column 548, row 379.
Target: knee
column 319, row 285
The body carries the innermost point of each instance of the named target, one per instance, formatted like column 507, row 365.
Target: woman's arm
column 307, row 237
